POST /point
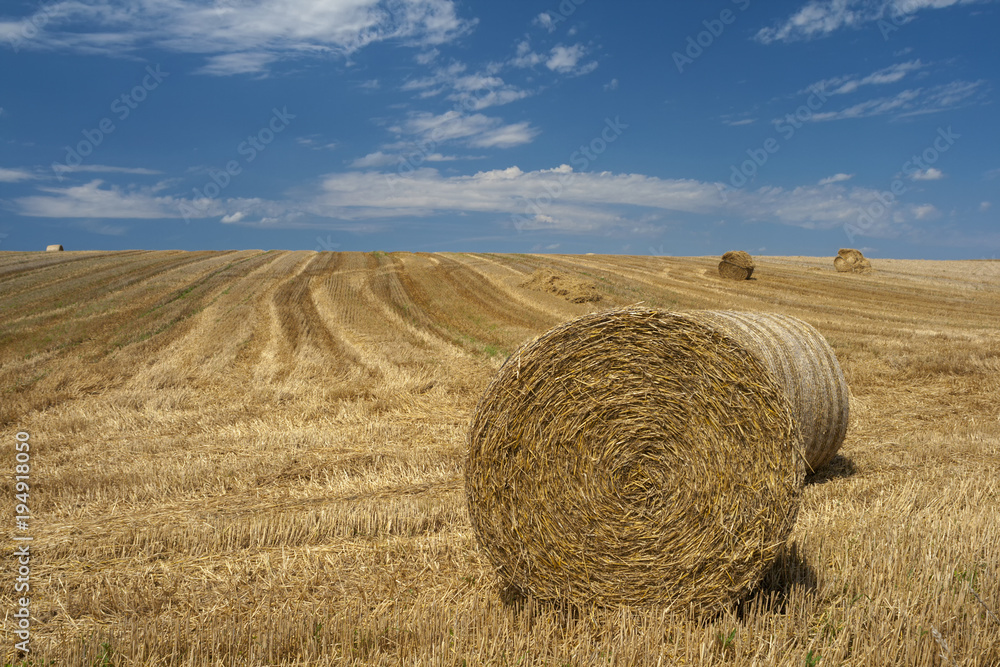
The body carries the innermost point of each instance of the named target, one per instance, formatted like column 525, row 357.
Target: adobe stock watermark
column 561, row 13
column 30, row 26
column 22, row 555
column 580, row 160
column 122, row 107
column 697, row 44
column 249, row 149
column 912, row 168
column 897, row 19
column 743, row 173
column 326, row 244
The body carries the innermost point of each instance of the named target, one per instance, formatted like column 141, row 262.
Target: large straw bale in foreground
column 634, row 456
column 736, row 265
column 53, row 248
column 803, row 363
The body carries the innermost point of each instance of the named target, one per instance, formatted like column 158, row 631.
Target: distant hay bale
column 53, row 248
column 560, row 284
column 736, row 265
column 850, row 260
column 634, row 456
column 805, row 366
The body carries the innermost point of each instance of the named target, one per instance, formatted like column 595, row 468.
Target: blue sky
column 791, row 127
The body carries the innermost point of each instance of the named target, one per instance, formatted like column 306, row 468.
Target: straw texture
column 53, row 248
column 851, row 260
column 736, row 265
column 633, row 456
column 803, row 363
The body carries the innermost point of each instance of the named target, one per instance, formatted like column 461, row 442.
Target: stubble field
column 257, row 458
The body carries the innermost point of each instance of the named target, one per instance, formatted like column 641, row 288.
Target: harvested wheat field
column 258, row 458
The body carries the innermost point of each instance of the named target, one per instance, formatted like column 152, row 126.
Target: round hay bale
column 851, row 260
column 633, row 456
column 53, row 248
column 805, row 366
column 736, row 265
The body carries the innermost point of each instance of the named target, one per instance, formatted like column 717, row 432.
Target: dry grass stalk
column 736, row 265
column 633, row 456
column 804, row 364
column 849, row 260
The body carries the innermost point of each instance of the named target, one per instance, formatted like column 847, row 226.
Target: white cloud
column 848, row 84
column 91, row 200
column 229, row 64
column 472, row 92
column 925, row 211
column 566, row 59
column 380, row 159
column 243, row 37
column 836, row 178
column 611, row 85
column 910, row 102
column 15, row 175
column 737, row 123
column 312, row 141
column 524, row 56
column 103, row 169
column 557, row 199
column 375, row 160
column 546, row 21
column 819, row 18
column 929, row 174
column 985, row 206
column 472, row 130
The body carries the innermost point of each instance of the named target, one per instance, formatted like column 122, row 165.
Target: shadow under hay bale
column 788, row 571
column 634, row 456
column 804, row 365
column 839, row 467
column 736, row 265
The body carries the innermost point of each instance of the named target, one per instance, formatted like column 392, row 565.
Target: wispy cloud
column 15, row 175
column 104, row 169
column 836, row 178
column 909, row 102
column 91, row 200
column 475, row 130
column 379, row 159
column 819, row 18
column 314, row 142
column 472, row 92
column 842, row 85
column 558, row 199
column 241, row 37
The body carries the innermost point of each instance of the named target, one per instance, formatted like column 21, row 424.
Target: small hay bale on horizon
column 634, row 456
column 736, row 265
column 849, row 260
column 54, row 248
